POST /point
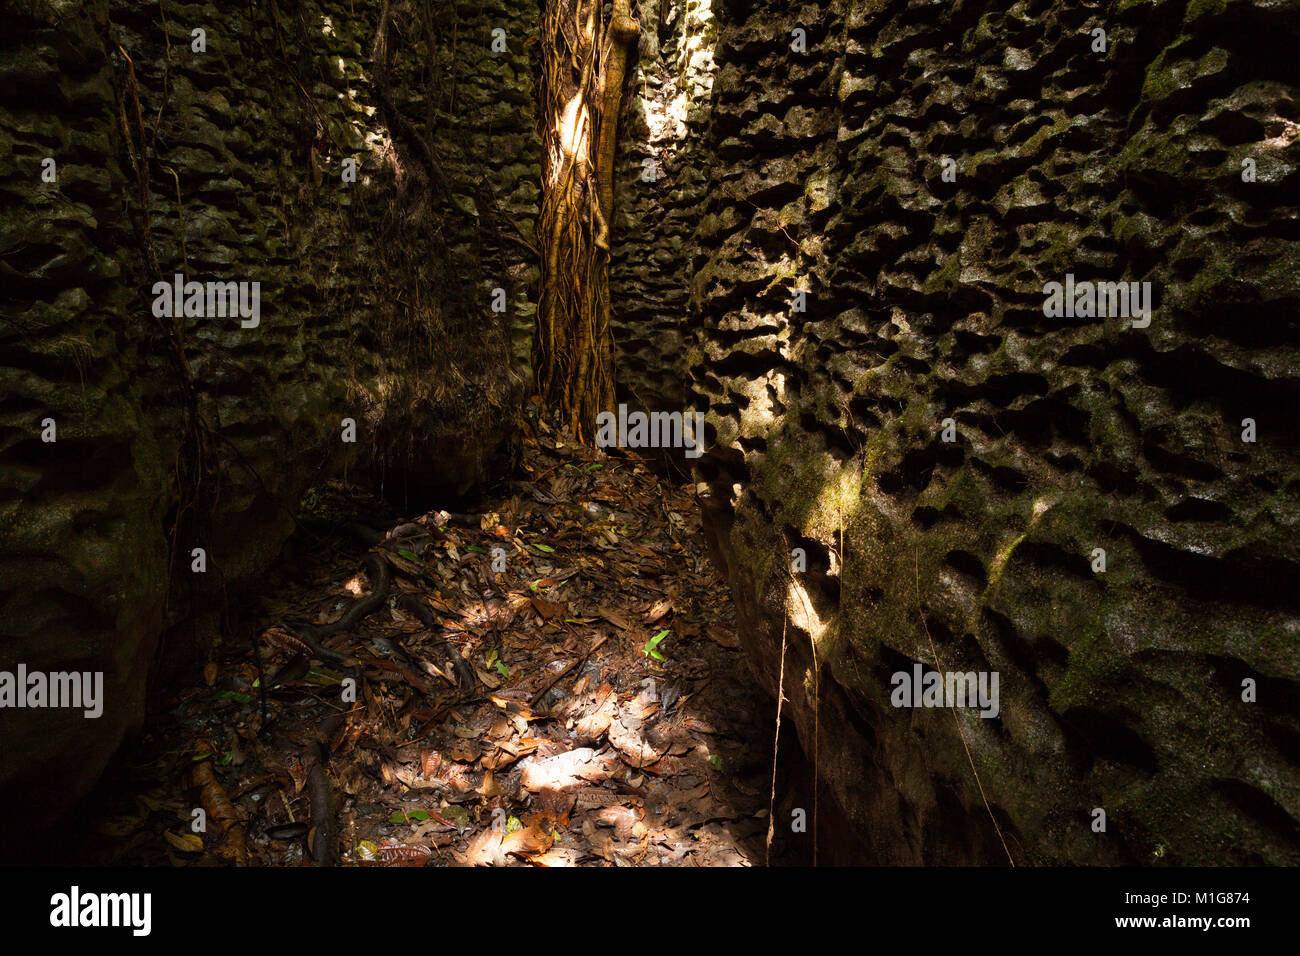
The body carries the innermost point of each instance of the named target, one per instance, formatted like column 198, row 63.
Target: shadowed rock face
column 776, row 171
column 374, row 307
column 924, row 301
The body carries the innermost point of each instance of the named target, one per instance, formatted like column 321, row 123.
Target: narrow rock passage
column 602, row 714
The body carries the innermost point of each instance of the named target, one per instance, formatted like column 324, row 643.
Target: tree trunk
column 584, row 63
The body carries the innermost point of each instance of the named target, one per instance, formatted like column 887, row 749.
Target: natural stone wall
column 778, row 171
column 227, row 164
column 659, row 190
column 924, row 301
column 488, row 113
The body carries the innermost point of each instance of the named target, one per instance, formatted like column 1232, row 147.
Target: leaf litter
column 611, row 721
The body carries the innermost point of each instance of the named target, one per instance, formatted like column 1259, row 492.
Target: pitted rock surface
column 375, row 305
column 923, row 302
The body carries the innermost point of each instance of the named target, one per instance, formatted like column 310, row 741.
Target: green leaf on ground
column 405, row 816
column 653, row 643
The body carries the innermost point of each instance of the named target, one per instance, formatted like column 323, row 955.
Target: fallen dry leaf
column 484, row 849
column 618, row 620
column 658, row 610
column 723, row 637
column 223, row 818
column 557, row 857
column 626, row 734
column 529, row 840
column 404, row 854
column 547, row 609
column 185, row 842
column 565, row 770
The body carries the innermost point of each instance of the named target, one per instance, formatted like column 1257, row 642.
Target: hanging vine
column 194, row 471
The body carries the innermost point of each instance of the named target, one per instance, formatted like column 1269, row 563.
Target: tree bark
column 583, row 70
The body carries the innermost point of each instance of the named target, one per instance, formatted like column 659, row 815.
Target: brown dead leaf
column 298, row 774
column 597, row 721
column 437, row 824
column 281, row 639
column 484, row 849
column 547, row 609
column 566, row 770
column 663, row 767
column 185, row 842
column 430, row 761
column 622, row 818
column 558, row 857
column 641, row 708
column 404, row 854
column 658, row 610
column 500, row 758
column 226, row 822
column 626, row 733
column 517, row 708
column 405, row 620
column 618, row 620
column 435, row 601
column 600, row 843
column 698, row 725
column 723, row 637
column 528, row 841
column 554, row 804
column 466, row 751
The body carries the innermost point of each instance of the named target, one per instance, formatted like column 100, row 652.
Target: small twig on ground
column 576, row 663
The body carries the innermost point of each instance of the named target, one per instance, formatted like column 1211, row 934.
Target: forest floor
column 601, row 712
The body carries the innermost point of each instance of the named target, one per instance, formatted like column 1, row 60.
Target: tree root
column 380, row 578
column 464, row 673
